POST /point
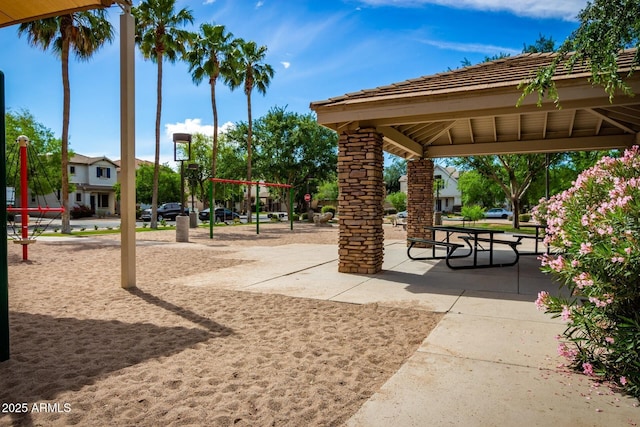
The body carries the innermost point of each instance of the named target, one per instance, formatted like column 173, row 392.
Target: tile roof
column 508, row 71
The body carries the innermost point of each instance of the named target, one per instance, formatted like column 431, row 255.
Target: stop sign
column 307, row 197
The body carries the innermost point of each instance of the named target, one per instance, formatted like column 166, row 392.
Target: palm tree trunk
column 66, row 103
column 156, row 165
column 249, row 134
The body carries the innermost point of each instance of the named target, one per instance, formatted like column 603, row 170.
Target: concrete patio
column 491, row 361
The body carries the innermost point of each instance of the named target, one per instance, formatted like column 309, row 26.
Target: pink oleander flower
column 586, row 248
column 627, row 251
column 566, row 313
column 587, row 368
column 542, row 301
column 623, row 380
column 609, row 340
column 566, row 352
column 617, row 259
column 583, row 280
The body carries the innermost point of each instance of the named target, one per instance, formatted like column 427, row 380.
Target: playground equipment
column 258, row 185
column 26, row 159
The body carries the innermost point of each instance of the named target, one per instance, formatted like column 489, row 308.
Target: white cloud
column 485, row 49
column 259, row 4
column 193, row 126
column 563, row 9
column 209, row 1
column 286, row 64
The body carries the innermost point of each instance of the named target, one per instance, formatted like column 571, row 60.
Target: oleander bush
column 594, row 228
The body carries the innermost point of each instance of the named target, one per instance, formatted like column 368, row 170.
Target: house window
column 78, row 197
column 72, row 170
column 102, row 172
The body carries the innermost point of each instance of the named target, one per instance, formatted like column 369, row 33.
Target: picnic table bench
column 473, row 237
column 451, row 248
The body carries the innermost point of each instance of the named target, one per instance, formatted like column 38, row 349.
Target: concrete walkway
column 491, row 361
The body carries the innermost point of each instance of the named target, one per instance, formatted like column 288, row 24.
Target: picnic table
column 474, row 239
column 539, row 237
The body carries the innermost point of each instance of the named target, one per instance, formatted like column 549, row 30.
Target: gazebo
column 464, row 112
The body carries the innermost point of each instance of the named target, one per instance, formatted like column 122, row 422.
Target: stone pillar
column 360, row 209
column 419, row 198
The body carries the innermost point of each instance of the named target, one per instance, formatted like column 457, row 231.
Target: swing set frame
column 258, row 185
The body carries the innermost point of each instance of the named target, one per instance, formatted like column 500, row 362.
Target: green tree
column 292, row 149
column 328, row 190
column 606, row 28
column 543, row 44
column 209, row 57
column 392, row 174
column 159, row 36
column 169, row 184
column 251, row 72
column 80, row 33
column 398, row 200
column 513, row 173
column 475, row 189
column 232, row 163
column 43, row 143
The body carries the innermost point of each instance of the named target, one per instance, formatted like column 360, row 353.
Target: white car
column 498, row 213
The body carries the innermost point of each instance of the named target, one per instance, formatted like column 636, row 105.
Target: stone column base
column 182, row 228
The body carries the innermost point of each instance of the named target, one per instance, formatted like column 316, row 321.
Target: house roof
column 472, row 110
column 86, row 160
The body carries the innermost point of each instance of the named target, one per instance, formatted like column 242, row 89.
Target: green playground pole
column 4, row 270
column 212, row 210
column 257, row 208
column 291, row 207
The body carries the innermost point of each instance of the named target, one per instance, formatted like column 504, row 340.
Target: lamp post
column 181, row 155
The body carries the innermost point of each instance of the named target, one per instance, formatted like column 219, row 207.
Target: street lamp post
column 181, row 155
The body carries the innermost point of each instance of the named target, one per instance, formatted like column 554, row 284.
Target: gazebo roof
column 472, row 111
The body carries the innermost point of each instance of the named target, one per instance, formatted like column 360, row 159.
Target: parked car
column 498, row 213
column 168, row 211
column 221, row 214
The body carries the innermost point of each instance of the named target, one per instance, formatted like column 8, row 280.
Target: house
column 94, row 179
column 447, row 196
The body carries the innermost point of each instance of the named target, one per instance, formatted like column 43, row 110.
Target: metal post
column 24, row 197
column 212, row 210
column 291, row 206
column 257, row 208
column 4, row 270
column 181, row 187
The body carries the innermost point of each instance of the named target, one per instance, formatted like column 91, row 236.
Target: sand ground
column 87, row 352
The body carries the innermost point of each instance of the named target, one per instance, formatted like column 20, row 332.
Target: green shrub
column 594, row 226
column 473, row 212
column 295, row 217
column 524, row 217
column 329, row 208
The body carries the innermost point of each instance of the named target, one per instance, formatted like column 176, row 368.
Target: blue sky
column 319, row 49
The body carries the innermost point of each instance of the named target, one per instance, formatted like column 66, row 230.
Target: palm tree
column 209, row 57
column 82, row 33
column 158, row 36
column 250, row 72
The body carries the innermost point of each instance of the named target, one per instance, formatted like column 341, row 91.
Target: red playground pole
column 24, row 208
column 24, row 196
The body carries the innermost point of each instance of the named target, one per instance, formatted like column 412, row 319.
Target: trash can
column 193, row 220
column 437, row 218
